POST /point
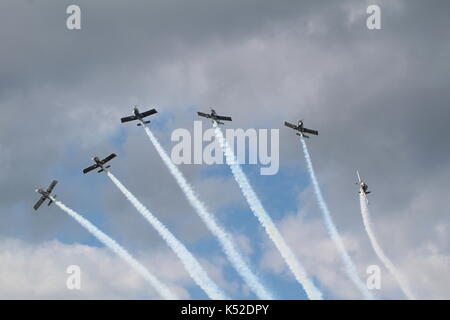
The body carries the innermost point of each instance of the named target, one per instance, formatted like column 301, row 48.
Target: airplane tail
column 145, row 122
column 104, row 169
column 50, row 201
column 303, row 135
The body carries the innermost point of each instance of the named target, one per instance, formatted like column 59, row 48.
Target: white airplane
column 100, row 164
column 301, row 129
column 45, row 195
column 214, row 116
column 363, row 187
column 139, row 116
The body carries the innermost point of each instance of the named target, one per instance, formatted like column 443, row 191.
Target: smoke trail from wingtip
column 331, row 228
column 379, row 251
column 266, row 221
column 232, row 252
column 191, row 264
column 161, row 288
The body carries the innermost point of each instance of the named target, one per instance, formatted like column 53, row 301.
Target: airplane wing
column 201, row 114
column 52, row 185
column 315, row 132
column 127, row 119
column 108, row 158
column 148, row 113
column 39, row 203
column 290, row 125
column 223, row 118
column 94, row 166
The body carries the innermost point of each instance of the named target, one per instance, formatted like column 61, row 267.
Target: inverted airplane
column 139, row 116
column 363, row 187
column 214, row 117
column 301, row 129
column 100, row 164
column 45, row 195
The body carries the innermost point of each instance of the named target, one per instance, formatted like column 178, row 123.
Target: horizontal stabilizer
column 145, row 122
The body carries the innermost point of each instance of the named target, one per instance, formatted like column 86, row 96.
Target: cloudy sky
column 379, row 99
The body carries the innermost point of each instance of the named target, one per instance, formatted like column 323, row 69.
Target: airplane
column 214, row 116
column 45, row 194
column 363, row 187
column 100, row 164
column 139, row 116
column 299, row 127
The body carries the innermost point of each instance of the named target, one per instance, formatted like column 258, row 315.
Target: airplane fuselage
column 214, row 117
column 363, row 187
column 43, row 193
column 138, row 116
column 98, row 162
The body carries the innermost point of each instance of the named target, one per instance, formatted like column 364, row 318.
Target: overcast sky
column 379, row 99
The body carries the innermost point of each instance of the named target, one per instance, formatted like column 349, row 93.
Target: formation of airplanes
column 139, row 116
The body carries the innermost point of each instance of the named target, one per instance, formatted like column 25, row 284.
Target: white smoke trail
column 257, row 208
column 222, row 236
column 161, row 288
column 377, row 248
column 332, row 230
column 191, row 264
